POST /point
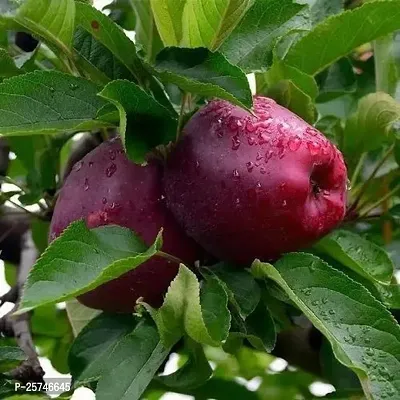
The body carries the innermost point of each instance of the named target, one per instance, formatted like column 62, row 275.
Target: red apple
column 254, row 186
column 106, row 188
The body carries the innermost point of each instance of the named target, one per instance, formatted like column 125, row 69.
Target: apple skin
column 247, row 187
column 106, row 188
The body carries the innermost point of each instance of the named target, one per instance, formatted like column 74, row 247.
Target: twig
column 169, row 257
column 370, row 179
column 380, row 201
column 29, row 370
column 181, row 115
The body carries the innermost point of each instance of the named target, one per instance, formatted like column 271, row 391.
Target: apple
column 250, row 186
column 106, row 188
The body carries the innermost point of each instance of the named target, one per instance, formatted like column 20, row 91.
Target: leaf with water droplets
column 81, row 260
column 44, row 102
column 363, row 334
column 359, row 254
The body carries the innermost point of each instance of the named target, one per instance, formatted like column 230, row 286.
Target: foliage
column 335, row 65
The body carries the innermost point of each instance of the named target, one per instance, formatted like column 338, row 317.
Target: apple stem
column 181, row 114
column 370, row 179
column 380, row 201
column 169, row 257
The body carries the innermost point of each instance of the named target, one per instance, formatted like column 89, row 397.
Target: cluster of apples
column 237, row 186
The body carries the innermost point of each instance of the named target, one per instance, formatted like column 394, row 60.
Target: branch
column 18, row 326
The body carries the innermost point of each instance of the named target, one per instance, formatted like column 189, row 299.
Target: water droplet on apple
column 235, row 143
column 259, row 156
column 78, row 166
column 104, row 200
column 268, row 156
column 311, row 131
column 263, row 138
column 332, row 312
column 263, row 170
column 282, row 128
column 52, row 90
column 284, row 203
column 86, row 185
column 90, row 164
column 250, row 127
column 110, row 171
column 236, row 173
column 112, row 154
column 258, row 186
column 294, row 143
column 250, row 166
column 251, row 140
column 314, row 148
column 324, row 300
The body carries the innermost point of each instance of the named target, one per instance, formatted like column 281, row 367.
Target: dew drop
column 314, row 148
column 90, row 164
column 112, row 154
column 104, row 200
column 236, row 173
column 311, row 131
column 250, row 127
column 324, row 300
column 263, row 170
column 315, row 302
column 52, row 90
column 258, row 186
column 197, row 164
column 110, row 171
column 263, row 138
column 284, row 203
column 294, row 144
column 73, row 86
column 86, row 185
column 78, row 166
column 306, row 292
column 370, row 352
column 268, row 155
column 250, row 166
column 235, row 143
column 367, row 340
column 259, row 156
column 113, row 205
column 251, row 140
column 332, row 312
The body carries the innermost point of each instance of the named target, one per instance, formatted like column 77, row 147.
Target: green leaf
column 281, row 71
column 111, row 36
column 242, row 289
column 251, row 43
column 372, row 124
column 363, row 334
column 203, row 315
column 168, row 17
column 79, row 315
column 7, row 65
column 98, row 62
column 205, row 73
column 10, row 357
column 338, row 35
column 121, row 12
column 195, row 372
column 47, row 103
column 106, row 253
column 147, row 35
column 288, row 95
column 93, row 346
column 53, row 20
column 209, row 23
column 132, row 364
column 144, row 123
column 40, row 232
column 50, row 321
column 258, row 328
column 359, row 254
column 337, row 80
